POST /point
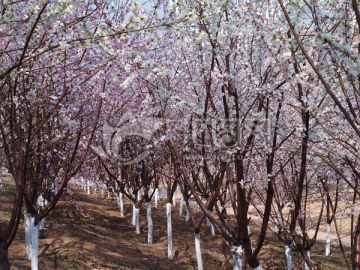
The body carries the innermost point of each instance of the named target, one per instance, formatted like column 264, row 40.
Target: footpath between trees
column 86, row 232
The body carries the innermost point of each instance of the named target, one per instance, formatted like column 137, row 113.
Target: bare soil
column 97, row 238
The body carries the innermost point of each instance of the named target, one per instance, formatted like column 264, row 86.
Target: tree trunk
column 150, row 222
column 327, row 248
column 42, row 224
column 212, row 228
column 1, row 184
column 288, row 257
column 139, row 194
column 249, row 232
column 181, row 206
column 32, row 240
column 121, row 203
column 169, row 230
column 238, row 257
column 133, row 216
column 4, row 257
column 187, row 215
column 156, row 197
column 309, row 255
column 88, row 186
column 137, row 220
column 34, row 244
column 198, row 250
column 278, row 214
column 83, row 182
column 356, row 249
column 56, row 186
column 207, row 221
column 27, row 226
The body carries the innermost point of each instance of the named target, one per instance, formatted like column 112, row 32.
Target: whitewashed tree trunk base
column 181, row 206
column 139, row 194
column 150, row 223
column 27, row 226
column 169, row 230
column 249, row 232
column 156, row 194
column 308, row 254
column 198, row 252
column 42, row 224
column 187, row 215
column 288, row 257
column 207, row 221
column 56, row 185
column 237, row 252
column 133, row 215
column 121, row 204
column 88, row 187
column 83, row 183
column 327, row 248
column 212, row 230
column 137, row 220
column 34, row 244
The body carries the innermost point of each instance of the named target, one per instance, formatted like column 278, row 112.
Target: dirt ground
column 96, row 237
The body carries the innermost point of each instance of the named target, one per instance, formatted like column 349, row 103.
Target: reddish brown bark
column 356, row 248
